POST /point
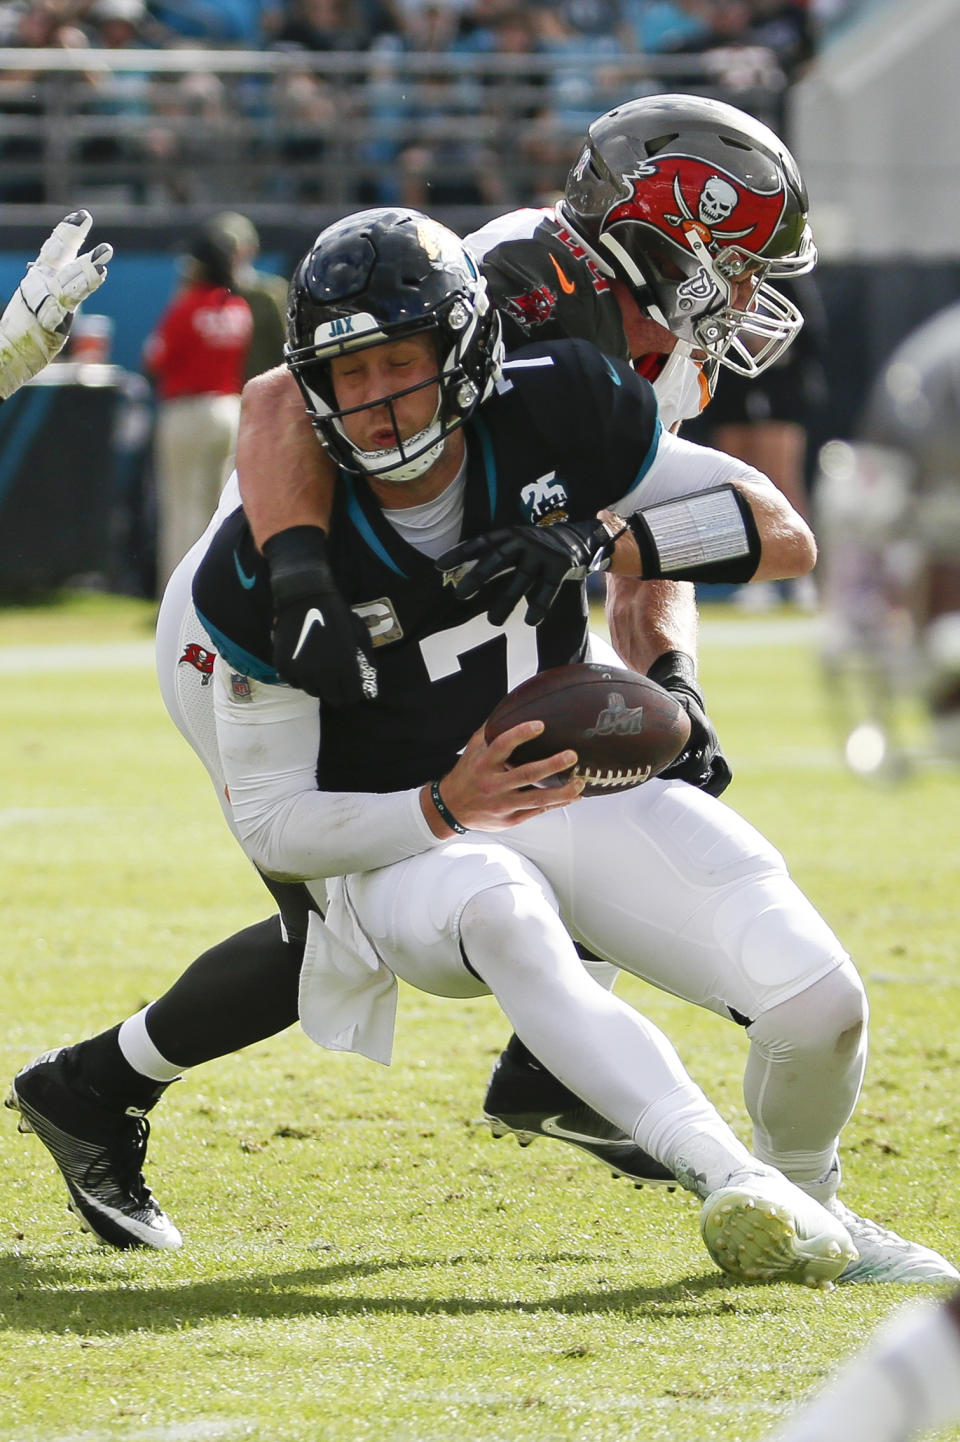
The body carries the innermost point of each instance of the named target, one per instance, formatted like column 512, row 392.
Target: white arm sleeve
column 680, row 468
column 268, row 747
column 32, row 328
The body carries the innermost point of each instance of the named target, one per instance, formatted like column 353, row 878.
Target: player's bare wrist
column 625, row 553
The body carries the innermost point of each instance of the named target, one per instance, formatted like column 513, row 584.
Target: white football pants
column 665, row 881
column 674, row 887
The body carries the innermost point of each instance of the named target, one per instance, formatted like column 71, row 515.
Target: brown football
column 623, row 726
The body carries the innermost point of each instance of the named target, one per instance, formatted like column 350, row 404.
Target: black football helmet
column 382, row 275
column 681, row 197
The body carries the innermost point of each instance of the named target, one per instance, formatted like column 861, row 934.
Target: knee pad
column 503, row 915
column 832, row 1013
column 777, row 944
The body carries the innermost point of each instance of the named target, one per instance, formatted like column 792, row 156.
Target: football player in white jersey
column 35, row 325
column 477, row 883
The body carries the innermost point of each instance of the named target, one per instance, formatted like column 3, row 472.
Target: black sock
column 239, row 992
column 101, row 1070
column 516, row 1050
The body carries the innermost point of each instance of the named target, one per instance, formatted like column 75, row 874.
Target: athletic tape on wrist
column 708, row 536
column 675, row 667
column 446, row 815
column 298, row 564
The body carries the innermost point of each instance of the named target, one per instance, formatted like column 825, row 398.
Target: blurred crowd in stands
column 788, row 31
column 432, row 103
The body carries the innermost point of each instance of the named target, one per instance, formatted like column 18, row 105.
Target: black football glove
column 701, row 762
column 319, row 644
column 535, row 560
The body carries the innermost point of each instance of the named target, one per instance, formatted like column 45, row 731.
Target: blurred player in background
column 35, row 325
column 904, row 1384
column 888, row 509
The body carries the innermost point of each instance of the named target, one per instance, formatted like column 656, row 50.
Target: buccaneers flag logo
column 535, row 307
column 676, row 193
column 199, row 657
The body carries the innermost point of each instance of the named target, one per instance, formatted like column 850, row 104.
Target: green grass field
column 362, row 1260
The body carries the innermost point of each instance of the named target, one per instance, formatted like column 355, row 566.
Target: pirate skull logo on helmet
column 718, row 201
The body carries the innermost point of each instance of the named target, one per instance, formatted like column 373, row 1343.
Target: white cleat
column 885, row 1256
column 759, row 1227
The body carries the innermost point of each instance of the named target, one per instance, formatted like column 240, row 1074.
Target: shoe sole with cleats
column 755, row 1239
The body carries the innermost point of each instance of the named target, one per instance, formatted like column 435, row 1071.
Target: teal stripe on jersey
column 650, row 457
column 489, row 461
column 237, row 658
column 363, row 526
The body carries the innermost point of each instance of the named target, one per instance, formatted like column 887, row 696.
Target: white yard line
column 92, row 656
column 136, row 655
column 198, row 1431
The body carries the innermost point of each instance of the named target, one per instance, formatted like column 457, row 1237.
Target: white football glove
column 35, row 324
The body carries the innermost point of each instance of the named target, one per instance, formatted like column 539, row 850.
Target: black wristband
column 443, row 810
column 297, row 558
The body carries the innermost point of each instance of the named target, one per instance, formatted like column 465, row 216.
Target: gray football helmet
column 682, row 197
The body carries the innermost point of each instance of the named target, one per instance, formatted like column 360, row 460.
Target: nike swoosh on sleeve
column 567, row 286
column 613, row 375
column 247, row 582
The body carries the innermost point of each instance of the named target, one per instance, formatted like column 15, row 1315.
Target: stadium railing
column 273, row 133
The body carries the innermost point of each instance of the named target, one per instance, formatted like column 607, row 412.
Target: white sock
column 140, row 1052
column 685, row 1132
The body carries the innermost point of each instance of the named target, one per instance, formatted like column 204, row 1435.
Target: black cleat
column 524, row 1099
column 99, row 1153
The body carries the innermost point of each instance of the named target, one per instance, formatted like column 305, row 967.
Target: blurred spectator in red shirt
column 196, row 357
